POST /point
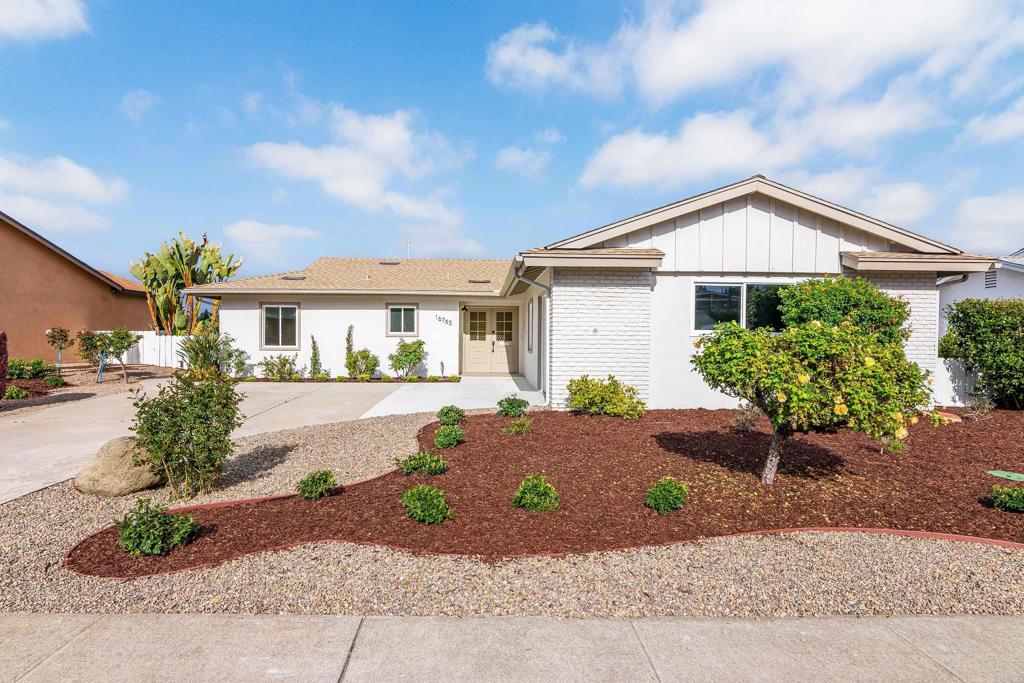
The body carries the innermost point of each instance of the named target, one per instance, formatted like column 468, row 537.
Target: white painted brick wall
column 918, row 290
column 600, row 325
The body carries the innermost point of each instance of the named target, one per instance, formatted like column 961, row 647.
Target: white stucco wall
column 328, row 317
column 601, row 325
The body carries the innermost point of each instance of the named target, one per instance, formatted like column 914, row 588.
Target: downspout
column 547, row 329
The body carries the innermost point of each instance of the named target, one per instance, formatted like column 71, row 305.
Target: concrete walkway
column 47, row 446
column 470, row 393
column 151, row 647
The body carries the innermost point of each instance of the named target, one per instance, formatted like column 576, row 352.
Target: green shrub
column 89, row 346
column 280, row 368
column 815, row 378
column 407, row 357
column 666, row 495
column 433, row 378
column 60, row 339
column 362, row 362
column 322, row 377
column 18, row 368
column 412, row 378
column 605, row 397
column 454, row 378
column 13, row 393
column 834, row 300
column 207, row 353
column 315, row 368
column 54, row 380
column 522, row 425
column 151, row 530
column 451, row 415
column 448, row 436
column 987, row 336
column 363, row 378
column 185, row 430
column 424, row 461
column 512, row 406
column 116, row 343
column 386, row 378
column 536, row 494
column 426, row 504
column 1007, row 498
column 316, row 485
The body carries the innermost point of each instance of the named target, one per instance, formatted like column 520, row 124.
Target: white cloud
column 807, row 50
column 39, row 19
column 253, row 102
column 990, row 224
column 440, row 240
column 1006, row 125
column 534, row 57
column 864, row 189
column 524, row 161
column 266, row 241
column 371, row 154
column 58, row 177
column 44, row 215
column 137, row 103
column 899, row 203
column 549, row 136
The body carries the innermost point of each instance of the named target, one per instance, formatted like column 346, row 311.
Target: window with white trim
column 280, row 326
column 752, row 305
column 402, row 320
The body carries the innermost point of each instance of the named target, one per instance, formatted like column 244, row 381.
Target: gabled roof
column 116, row 283
column 761, row 185
column 328, row 275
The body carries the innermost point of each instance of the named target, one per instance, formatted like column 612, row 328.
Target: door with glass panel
column 489, row 341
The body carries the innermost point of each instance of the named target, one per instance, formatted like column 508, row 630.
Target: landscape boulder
column 113, row 471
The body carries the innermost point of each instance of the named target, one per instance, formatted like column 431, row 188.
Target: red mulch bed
column 34, row 387
column 602, row 467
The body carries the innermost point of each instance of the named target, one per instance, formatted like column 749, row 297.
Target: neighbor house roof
column 899, row 260
column 328, row 275
column 1015, row 261
column 115, row 282
column 761, row 185
column 128, row 284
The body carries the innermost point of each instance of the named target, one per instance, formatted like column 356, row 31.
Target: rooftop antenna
column 408, row 249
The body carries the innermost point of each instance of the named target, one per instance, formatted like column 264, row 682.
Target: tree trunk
column 774, row 455
column 124, row 370
column 152, row 311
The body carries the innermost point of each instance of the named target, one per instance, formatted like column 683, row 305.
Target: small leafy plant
column 666, row 495
column 361, row 362
column 316, row 485
column 280, row 368
column 523, row 425
column 448, row 436
column 433, row 378
column 14, row 393
column 1007, row 498
column 364, row 378
column 151, row 530
column 386, row 378
column 19, row 368
column 315, row 367
column 451, row 415
column 512, row 406
column 407, row 357
column 321, row 377
column 426, row 504
column 605, row 397
column 54, row 380
column 412, row 378
column 454, row 378
column 536, row 494
column 424, row 461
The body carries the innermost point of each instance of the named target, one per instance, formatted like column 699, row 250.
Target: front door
column 489, row 341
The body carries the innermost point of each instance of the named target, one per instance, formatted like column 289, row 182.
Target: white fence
column 155, row 349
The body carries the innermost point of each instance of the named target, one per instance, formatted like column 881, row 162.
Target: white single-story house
column 628, row 298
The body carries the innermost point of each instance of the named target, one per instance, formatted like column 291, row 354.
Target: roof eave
column 203, row 291
column 953, row 264
column 584, row 260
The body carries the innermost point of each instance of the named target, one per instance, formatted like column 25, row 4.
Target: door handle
column 492, row 346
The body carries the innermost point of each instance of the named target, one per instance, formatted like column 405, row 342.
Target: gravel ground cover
column 756, row 576
column 602, row 468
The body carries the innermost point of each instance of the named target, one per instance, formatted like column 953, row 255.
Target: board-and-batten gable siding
column 752, row 234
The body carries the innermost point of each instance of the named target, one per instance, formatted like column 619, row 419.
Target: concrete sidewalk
column 47, row 446
column 470, row 393
column 148, row 647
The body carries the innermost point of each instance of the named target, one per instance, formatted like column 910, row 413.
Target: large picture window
column 280, row 326
column 402, row 320
column 752, row 305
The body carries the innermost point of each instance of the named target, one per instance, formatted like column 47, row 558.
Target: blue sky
column 291, row 130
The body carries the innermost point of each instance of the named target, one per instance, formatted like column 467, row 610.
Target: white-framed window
column 279, row 328
column 751, row 304
column 402, row 320
column 529, row 325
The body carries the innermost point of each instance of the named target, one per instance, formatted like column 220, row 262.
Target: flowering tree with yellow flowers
column 813, row 377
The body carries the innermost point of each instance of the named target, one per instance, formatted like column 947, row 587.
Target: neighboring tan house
column 628, row 298
column 43, row 286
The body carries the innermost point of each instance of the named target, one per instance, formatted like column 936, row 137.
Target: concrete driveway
column 471, row 392
column 47, row 446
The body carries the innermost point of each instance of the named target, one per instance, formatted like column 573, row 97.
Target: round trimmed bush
column 424, row 461
column 426, row 504
column 13, row 393
column 151, row 530
column 666, row 495
column 512, row 406
column 54, row 380
column 1007, row 498
column 316, row 485
column 451, row 415
column 536, row 494
column 448, row 436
